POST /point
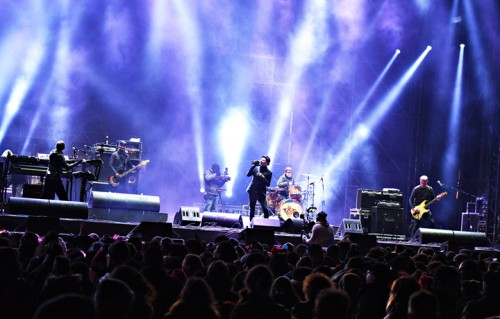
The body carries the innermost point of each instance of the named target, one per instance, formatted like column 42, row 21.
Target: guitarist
column 420, row 193
column 119, row 162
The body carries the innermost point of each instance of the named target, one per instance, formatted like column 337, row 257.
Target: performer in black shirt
column 53, row 183
column 119, row 163
column 420, row 193
column 261, row 179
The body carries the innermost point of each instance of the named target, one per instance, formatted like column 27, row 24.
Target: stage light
column 233, row 134
column 462, row 46
column 398, row 51
column 360, row 132
column 307, row 46
column 451, row 153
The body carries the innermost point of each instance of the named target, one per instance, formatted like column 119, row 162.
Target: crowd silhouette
column 92, row 276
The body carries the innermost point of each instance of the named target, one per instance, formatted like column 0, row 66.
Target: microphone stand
column 458, row 190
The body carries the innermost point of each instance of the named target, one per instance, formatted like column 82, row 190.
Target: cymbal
column 276, row 189
column 308, row 175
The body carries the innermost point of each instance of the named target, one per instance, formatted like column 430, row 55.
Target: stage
column 270, row 234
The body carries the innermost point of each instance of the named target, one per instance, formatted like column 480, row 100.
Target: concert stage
column 435, row 239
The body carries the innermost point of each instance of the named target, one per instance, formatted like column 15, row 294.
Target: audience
column 117, row 277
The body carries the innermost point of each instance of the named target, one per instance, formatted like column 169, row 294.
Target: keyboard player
column 53, row 182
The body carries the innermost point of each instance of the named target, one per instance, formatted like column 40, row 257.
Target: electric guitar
column 423, row 207
column 115, row 180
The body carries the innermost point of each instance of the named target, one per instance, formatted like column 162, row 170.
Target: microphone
column 440, row 184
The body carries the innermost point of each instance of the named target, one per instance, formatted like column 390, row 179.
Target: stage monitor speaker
column 265, row 223
column 148, row 230
column 293, row 226
column 125, row 201
column 41, row 225
column 46, row 207
column 261, row 235
column 222, row 220
column 429, row 235
column 127, row 216
column 350, row 226
column 188, row 216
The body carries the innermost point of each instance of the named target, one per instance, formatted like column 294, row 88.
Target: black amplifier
column 367, row 198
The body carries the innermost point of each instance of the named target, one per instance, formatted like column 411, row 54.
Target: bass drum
column 289, row 208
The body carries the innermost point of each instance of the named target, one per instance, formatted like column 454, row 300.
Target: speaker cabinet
column 222, row 220
column 265, row 223
column 293, row 226
column 47, row 207
column 188, row 216
column 470, row 221
column 386, row 221
column 429, row 235
column 148, row 230
column 350, row 226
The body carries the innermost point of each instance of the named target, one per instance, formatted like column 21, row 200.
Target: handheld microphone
column 440, row 184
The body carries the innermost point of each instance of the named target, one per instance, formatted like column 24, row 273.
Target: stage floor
column 145, row 229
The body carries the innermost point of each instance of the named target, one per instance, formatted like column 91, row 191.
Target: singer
column 261, row 179
column 420, row 193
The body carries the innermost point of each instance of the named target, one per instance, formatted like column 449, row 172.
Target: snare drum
column 295, row 192
column 289, row 208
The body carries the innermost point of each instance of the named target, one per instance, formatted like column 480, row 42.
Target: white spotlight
column 398, row 51
column 429, row 48
column 462, row 46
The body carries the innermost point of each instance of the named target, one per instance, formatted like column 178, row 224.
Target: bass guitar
column 115, row 180
column 418, row 211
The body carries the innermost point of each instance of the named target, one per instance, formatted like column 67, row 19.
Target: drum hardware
column 219, row 191
column 308, row 175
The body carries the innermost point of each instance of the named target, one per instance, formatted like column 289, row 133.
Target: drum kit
column 293, row 205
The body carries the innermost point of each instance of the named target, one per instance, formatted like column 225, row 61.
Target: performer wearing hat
column 214, row 180
column 261, row 179
column 119, row 163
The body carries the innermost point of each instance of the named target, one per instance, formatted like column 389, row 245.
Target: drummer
column 285, row 181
